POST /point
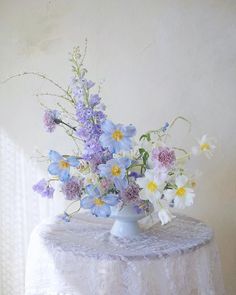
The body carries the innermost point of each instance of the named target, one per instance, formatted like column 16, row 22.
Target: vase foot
column 125, row 229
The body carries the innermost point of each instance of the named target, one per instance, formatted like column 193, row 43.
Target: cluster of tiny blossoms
column 110, row 168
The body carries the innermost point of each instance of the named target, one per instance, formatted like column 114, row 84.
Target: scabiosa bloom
column 117, row 137
column 131, row 193
column 72, row 188
column 44, row 189
column 98, row 204
column 115, row 170
column 50, row 119
column 163, row 157
column 60, row 166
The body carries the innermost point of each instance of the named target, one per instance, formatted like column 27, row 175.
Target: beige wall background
column 159, row 59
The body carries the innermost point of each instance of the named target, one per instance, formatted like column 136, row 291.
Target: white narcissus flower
column 91, row 178
column 183, row 195
column 152, row 187
column 205, row 146
column 165, row 216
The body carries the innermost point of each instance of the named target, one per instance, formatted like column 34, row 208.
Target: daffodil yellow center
column 117, row 135
column 181, row 192
column 63, row 164
column 152, row 186
column 204, row 147
column 115, row 170
column 98, row 202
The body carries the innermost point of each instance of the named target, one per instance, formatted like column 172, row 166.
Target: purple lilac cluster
column 163, row 157
column 72, row 188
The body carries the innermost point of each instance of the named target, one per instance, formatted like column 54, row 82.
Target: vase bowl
column 126, row 221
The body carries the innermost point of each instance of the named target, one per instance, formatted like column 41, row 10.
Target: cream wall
column 159, row 58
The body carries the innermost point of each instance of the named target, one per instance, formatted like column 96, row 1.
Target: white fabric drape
column 20, row 211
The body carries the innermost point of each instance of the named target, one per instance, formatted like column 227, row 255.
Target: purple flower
column 131, row 193
column 72, row 188
column 163, row 157
column 143, row 206
column 44, row 189
column 164, row 128
column 89, row 84
column 50, row 120
column 94, row 99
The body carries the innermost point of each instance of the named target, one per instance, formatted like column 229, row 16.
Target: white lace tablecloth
column 82, row 258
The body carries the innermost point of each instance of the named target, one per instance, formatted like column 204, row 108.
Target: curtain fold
column 20, row 211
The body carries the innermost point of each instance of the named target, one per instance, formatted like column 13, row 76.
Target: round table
column 81, row 257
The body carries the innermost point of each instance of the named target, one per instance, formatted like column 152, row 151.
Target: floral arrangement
column 109, row 167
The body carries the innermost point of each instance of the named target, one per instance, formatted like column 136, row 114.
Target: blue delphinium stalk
column 98, row 204
column 60, row 166
column 90, row 120
column 117, row 137
column 115, row 170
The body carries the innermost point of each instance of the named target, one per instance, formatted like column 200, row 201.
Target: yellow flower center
column 115, row 170
column 98, row 202
column 117, row 135
column 63, row 164
column 205, row 147
column 181, row 192
column 152, row 186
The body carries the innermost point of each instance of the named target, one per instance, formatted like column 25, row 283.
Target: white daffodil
column 165, row 216
column 205, row 146
column 152, row 187
column 91, row 178
column 183, row 195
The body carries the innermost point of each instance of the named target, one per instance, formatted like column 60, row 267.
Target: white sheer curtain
column 20, row 211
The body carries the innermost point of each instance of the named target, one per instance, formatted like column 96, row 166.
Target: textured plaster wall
column 159, row 59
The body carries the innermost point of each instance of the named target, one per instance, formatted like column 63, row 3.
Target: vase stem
column 123, row 228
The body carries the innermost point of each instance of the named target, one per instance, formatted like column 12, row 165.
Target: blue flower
column 115, row 170
column 117, row 137
column 60, row 166
column 99, row 205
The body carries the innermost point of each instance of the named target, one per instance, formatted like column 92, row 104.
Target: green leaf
column 146, row 136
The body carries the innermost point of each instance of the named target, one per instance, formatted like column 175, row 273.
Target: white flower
column 152, row 187
column 205, row 146
column 91, row 178
column 165, row 216
column 183, row 195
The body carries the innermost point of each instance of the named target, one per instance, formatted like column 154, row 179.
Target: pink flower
column 163, row 157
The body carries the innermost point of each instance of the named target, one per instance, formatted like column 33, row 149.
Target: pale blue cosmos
column 98, row 204
column 117, row 137
column 115, row 170
column 60, row 166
